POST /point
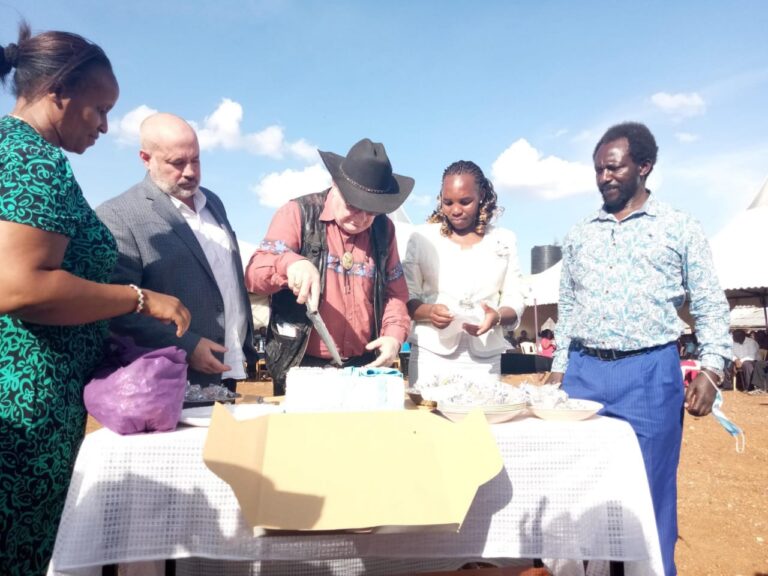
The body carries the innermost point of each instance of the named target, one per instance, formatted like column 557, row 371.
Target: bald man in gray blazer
column 174, row 237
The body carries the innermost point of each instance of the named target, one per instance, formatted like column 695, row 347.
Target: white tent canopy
column 542, row 291
column 737, row 257
column 747, row 317
column 735, row 250
column 544, row 287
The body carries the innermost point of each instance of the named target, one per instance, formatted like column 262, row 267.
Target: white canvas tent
column 747, row 317
column 544, row 287
column 736, row 251
column 542, row 294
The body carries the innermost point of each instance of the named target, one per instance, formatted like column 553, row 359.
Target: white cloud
column 277, row 188
column 126, row 129
column 304, row 150
column 269, row 142
column 680, row 105
column 522, row 167
column 222, row 129
column 686, row 137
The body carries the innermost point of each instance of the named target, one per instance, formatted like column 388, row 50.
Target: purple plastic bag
column 137, row 389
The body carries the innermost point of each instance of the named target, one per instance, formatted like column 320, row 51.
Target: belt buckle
column 606, row 355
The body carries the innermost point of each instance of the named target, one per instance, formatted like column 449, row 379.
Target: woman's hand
column 491, row 318
column 440, row 316
column 167, row 309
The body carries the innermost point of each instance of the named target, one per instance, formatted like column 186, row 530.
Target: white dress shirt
column 219, row 248
column 748, row 350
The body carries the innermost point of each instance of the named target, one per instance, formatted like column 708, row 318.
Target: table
column 519, row 363
column 568, row 490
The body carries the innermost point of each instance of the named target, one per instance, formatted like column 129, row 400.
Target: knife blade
column 325, row 336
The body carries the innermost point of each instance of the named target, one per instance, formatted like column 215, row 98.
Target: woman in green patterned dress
column 56, row 258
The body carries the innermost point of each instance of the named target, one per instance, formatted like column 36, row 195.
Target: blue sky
column 524, row 89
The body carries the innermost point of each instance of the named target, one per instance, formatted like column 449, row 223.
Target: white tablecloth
column 569, row 490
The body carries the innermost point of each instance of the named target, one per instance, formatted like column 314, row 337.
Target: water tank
column 543, row 257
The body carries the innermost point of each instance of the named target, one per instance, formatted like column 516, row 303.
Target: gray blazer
column 158, row 250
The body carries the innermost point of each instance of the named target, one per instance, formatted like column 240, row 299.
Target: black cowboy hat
column 365, row 179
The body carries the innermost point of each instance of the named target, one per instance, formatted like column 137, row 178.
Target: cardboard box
column 353, row 471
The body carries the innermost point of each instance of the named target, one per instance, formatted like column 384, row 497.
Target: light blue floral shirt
column 622, row 283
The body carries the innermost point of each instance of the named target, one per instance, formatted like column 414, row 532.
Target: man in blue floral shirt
column 626, row 270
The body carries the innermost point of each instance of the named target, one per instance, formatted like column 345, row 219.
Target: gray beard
column 182, row 194
column 177, row 191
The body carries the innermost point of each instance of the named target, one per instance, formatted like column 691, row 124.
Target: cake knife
column 325, row 336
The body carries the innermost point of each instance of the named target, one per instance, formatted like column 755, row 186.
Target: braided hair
column 488, row 207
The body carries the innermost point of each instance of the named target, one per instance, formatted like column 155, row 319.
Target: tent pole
column 536, row 322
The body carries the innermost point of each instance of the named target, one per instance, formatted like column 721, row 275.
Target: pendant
column 346, row 260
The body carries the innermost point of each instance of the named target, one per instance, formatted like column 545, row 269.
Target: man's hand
column 388, row 348
column 304, row 280
column 203, row 360
column 699, row 396
column 554, row 378
column 440, row 315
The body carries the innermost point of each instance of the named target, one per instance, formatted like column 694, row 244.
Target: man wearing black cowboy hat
column 335, row 252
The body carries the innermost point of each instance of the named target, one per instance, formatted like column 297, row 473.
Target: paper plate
column 201, row 416
column 578, row 410
column 494, row 414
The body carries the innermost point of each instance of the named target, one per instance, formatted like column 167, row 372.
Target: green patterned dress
column 43, row 369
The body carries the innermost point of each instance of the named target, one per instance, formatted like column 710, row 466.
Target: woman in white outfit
column 463, row 279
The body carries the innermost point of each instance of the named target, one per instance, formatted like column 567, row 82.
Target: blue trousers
column 647, row 391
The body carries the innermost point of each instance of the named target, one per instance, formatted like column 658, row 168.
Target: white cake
column 343, row 390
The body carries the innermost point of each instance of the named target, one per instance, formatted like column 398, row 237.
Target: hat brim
column 361, row 199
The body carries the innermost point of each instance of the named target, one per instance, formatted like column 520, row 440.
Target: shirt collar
column 649, row 207
column 198, row 198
